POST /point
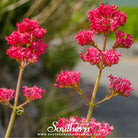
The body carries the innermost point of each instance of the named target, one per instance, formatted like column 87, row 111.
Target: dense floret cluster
column 94, row 57
column 123, row 40
column 32, row 93
column 26, row 43
column 122, row 86
column 80, row 128
column 106, row 19
column 85, row 38
column 6, row 95
column 70, row 79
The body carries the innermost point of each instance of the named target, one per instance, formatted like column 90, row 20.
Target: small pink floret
column 121, row 86
column 85, row 38
column 106, row 19
column 22, row 54
column 111, row 57
column 17, row 38
column 68, row 79
column 26, row 43
column 123, row 40
column 79, row 128
column 32, row 93
column 38, row 47
column 94, row 57
column 6, row 95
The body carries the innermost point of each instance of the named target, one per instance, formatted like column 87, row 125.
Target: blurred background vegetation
column 62, row 20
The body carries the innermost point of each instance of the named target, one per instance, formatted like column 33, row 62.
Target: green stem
column 23, row 104
column 93, row 97
column 15, row 102
column 8, row 104
column 80, row 92
column 106, row 98
column 96, row 86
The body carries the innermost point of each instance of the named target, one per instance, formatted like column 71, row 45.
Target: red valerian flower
column 122, row 86
column 38, row 47
column 32, row 93
column 17, row 38
column 106, row 19
column 6, row 95
column 22, row 54
column 32, row 28
column 70, row 79
column 123, row 40
column 94, row 57
column 85, row 38
column 26, row 43
column 111, row 57
column 80, row 128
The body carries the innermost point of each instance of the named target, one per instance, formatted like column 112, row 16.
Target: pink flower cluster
column 17, row 38
column 68, row 79
column 85, row 37
column 106, row 19
column 21, row 53
column 79, row 128
column 111, row 57
column 120, row 86
column 123, row 40
column 6, row 95
column 32, row 93
column 94, row 57
column 26, row 43
column 27, row 31
column 28, row 54
column 31, row 27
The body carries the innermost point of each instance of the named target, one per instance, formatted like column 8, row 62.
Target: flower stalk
column 15, row 101
column 83, row 96
column 23, row 104
column 106, row 98
column 26, row 46
column 93, row 97
column 105, row 20
column 96, row 86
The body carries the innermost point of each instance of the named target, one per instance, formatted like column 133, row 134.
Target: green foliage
column 60, row 57
column 132, row 22
column 61, row 19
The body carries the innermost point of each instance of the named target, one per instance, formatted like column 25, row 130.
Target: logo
column 68, row 131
